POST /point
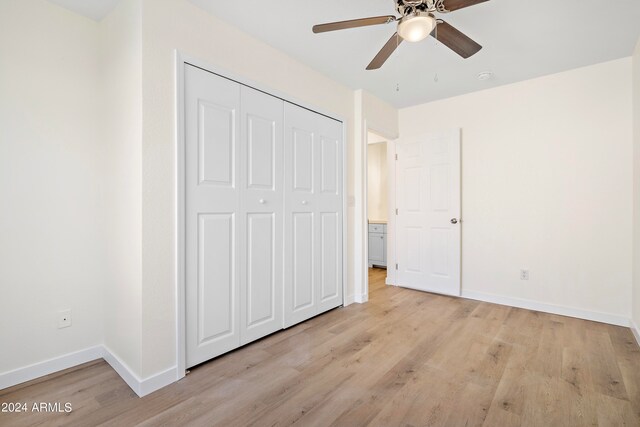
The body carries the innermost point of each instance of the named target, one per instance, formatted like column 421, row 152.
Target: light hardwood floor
column 405, row 359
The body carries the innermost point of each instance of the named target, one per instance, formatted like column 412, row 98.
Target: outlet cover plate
column 64, row 319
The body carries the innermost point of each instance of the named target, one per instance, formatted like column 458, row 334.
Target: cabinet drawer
column 377, row 228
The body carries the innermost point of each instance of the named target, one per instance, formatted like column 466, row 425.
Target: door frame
column 391, row 220
column 180, row 59
column 365, row 208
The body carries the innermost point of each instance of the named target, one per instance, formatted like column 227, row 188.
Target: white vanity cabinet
column 377, row 245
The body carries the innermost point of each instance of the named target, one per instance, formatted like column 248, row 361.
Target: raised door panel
column 262, row 205
column 300, row 282
column 213, row 224
column 262, row 151
column 330, row 166
column 303, row 260
column 413, row 252
column 216, row 144
column 261, row 270
column 303, row 160
column 439, row 263
column 217, row 278
column 330, row 272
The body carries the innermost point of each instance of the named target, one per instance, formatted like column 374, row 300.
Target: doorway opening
column 377, row 211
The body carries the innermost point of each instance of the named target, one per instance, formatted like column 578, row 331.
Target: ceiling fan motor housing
column 410, row 7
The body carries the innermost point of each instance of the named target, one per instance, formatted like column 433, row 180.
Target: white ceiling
column 94, row 9
column 374, row 138
column 522, row 39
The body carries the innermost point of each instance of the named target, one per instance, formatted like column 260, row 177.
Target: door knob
column 262, row 201
column 454, row 221
column 304, row 202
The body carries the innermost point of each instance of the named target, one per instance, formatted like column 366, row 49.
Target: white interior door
column 262, row 199
column 212, row 150
column 313, row 214
column 428, row 217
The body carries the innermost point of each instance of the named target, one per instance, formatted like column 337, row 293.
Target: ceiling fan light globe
column 414, row 28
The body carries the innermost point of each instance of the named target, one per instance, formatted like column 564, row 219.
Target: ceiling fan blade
column 385, row 53
column 455, row 40
column 452, row 5
column 354, row 23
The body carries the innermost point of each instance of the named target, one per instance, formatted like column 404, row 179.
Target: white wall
column 377, row 193
column 177, row 24
column 121, row 74
column 53, row 216
column 546, row 184
column 636, row 188
column 95, row 157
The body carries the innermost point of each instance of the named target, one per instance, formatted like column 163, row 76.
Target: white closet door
column 212, row 125
column 300, row 300
column 262, row 198
column 313, row 214
column 329, row 203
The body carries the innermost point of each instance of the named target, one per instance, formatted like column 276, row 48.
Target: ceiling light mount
column 408, row 7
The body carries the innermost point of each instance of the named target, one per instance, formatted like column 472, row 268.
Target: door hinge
column 396, row 157
column 396, row 266
column 396, row 211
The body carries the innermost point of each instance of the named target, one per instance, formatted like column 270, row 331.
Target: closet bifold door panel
column 263, row 205
column 313, row 214
column 263, row 214
column 212, row 215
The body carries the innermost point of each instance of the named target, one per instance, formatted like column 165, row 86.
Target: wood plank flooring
column 404, row 359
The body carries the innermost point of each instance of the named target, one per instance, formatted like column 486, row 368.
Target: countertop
column 377, row 221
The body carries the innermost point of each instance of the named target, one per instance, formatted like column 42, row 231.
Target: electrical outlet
column 524, row 274
column 64, row 319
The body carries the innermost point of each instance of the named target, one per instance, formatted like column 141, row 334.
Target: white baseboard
column 348, row 300
column 37, row 370
column 636, row 331
column 548, row 308
column 141, row 387
column 158, row 381
column 389, row 281
column 125, row 372
column 361, row 298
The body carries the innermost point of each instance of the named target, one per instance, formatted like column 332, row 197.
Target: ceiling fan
column 416, row 22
